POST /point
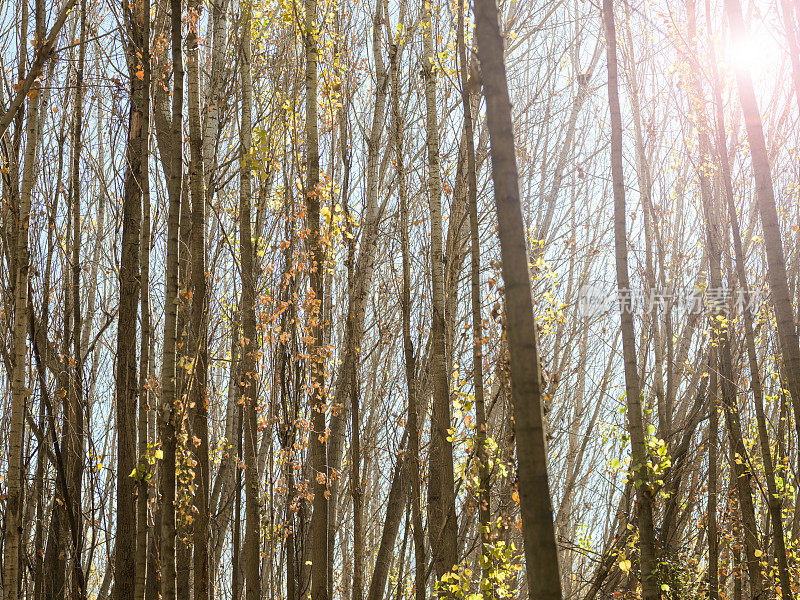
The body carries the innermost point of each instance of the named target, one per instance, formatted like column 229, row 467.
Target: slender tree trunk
column 633, row 385
column 633, row 391
column 169, row 411
column 198, row 396
column 765, row 199
column 236, row 562
column 143, row 482
column 408, row 346
column 320, row 530
column 442, row 524
column 357, row 490
column 19, row 391
column 126, row 384
column 183, row 379
column 75, row 418
column 249, row 365
column 541, row 553
column 483, row 494
column 395, row 506
column 711, row 506
column 773, row 501
column 360, row 284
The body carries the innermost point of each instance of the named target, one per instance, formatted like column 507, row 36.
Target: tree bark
column 198, row 353
column 541, row 553
column 320, row 530
column 408, row 346
column 249, row 366
column 633, row 390
column 442, row 524
column 483, row 493
column 75, row 420
column 765, row 199
column 169, row 397
column 19, row 391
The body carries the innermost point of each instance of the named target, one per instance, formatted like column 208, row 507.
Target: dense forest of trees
column 392, row 300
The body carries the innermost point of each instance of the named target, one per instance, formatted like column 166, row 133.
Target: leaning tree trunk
column 541, row 553
column 721, row 340
column 633, row 390
column 776, row 263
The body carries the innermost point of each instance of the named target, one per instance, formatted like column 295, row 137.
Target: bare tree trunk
column 408, row 347
column 483, row 495
column 776, row 263
column 633, row 391
column 248, row 371
column 143, row 481
column 19, row 391
column 236, row 561
column 395, row 506
column 773, row 501
column 169, row 398
column 126, row 384
column 320, row 529
column 359, row 287
column 442, row 524
column 541, row 553
column 711, row 506
column 198, row 395
column 357, row 491
column 75, row 417
column 214, row 97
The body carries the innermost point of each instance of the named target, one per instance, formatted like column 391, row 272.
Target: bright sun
column 758, row 52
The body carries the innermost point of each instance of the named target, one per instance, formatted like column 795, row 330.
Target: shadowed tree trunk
column 198, row 336
column 144, row 468
column 169, row 400
column 75, row 417
column 320, row 530
column 137, row 20
column 248, row 369
column 541, row 553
